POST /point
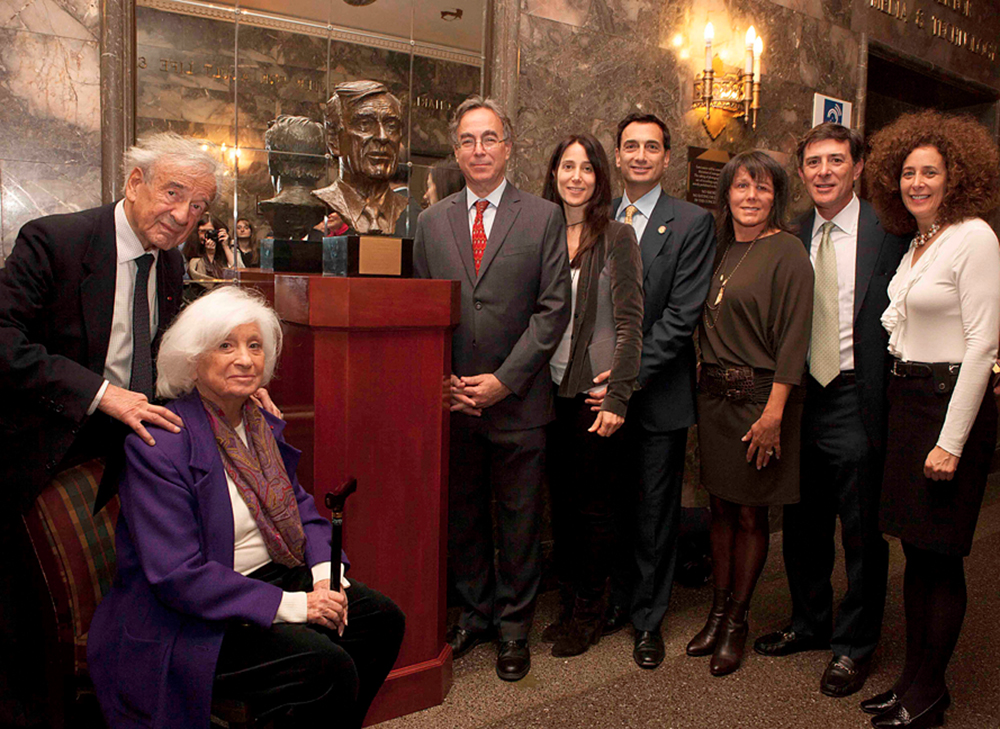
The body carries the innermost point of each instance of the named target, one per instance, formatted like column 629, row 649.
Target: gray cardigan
column 607, row 325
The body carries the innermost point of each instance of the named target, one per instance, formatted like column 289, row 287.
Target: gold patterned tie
column 824, row 358
column 629, row 212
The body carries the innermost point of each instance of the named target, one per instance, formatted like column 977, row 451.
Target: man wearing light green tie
column 844, row 422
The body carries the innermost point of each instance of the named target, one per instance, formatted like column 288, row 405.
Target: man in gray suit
column 508, row 249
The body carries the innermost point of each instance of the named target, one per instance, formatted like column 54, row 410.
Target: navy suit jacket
column 877, row 258
column 57, row 293
column 155, row 637
column 678, row 248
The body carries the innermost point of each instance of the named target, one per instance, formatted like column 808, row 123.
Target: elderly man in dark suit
column 508, row 248
column 76, row 353
column 677, row 243
column 844, row 422
column 72, row 343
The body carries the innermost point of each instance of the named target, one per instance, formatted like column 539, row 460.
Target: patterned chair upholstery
column 76, row 552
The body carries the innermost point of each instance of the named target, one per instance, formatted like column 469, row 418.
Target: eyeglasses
column 489, row 142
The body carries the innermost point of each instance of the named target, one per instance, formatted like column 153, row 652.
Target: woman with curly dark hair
column 754, row 334
column 934, row 175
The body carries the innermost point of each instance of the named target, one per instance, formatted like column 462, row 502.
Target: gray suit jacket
column 515, row 311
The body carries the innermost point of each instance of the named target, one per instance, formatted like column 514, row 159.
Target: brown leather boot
column 583, row 630
column 704, row 642
column 732, row 638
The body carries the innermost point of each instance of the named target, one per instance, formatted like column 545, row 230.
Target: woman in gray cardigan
column 600, row 349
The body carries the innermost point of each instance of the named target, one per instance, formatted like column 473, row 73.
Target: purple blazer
column 155, row 638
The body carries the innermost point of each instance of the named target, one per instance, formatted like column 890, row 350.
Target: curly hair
column 971, row 160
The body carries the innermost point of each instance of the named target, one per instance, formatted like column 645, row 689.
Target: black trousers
column 841, row 476
column 584, row 473
column 508, row 465
column 658, row 466
column 304, row 674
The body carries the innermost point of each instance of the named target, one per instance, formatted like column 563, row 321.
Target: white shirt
column 644, row 205
column 250, row 552
column 946, row 308
column 128, row 247
column 560, row 358
column 490, row 213
column 844, row 238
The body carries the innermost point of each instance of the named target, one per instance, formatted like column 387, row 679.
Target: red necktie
column 479, row 233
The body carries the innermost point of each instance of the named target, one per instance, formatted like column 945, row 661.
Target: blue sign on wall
column 829, row 109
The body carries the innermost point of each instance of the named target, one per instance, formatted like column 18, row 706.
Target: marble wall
column 50, row 115
column 584, row 64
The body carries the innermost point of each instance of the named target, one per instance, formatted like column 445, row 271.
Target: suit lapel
column 653, row 239
column 871, row 238
column 97, row 290
column 806, row 223
column 458, row 217
column 510, row 206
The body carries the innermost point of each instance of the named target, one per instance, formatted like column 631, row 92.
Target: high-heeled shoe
column 704, row 642
column 898, row 717
column 728, row 653
column 880, row 703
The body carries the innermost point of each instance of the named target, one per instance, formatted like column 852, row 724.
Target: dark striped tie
column 142, row 357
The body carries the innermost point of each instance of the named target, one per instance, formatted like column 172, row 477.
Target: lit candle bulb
column 758, row 49
column 751, row 35
column 709, row 35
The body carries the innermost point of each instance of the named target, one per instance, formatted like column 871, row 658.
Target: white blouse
column 946, row 308
column 250, row 553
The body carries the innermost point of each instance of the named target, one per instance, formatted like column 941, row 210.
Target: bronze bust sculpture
column 296, row 161
column 364, row 125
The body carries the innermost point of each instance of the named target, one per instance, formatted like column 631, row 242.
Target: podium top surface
column 366, row 303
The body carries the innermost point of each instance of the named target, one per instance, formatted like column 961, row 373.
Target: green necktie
column 824, row 358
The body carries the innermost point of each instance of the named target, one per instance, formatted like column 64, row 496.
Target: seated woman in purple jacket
column 223, row 585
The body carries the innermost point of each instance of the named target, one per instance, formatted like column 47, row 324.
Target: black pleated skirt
column 939, row 516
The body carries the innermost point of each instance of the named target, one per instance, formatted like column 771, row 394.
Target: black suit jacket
column 878, row 256
column 677, row 247
column 57, row 294
column 515, row 311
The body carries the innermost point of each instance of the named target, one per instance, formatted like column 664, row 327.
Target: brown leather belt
column 737, row 384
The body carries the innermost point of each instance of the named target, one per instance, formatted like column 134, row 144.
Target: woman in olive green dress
column 754, row 334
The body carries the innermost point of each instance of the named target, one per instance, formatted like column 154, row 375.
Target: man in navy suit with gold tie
column 677, row 244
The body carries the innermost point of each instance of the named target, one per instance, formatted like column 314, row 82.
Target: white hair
column 192, row 154
column 204, row 325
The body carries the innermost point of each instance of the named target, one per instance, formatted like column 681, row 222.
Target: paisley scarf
column 259, row 473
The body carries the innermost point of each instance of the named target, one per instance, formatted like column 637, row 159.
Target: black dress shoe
column 786, row 642
column 880, row 703
column 513, row 660
column 648, row 651
column 844, row 676
column 462, row 641
column 898, row 717
column 615, row 619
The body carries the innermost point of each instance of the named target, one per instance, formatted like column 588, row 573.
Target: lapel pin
column 662, row 229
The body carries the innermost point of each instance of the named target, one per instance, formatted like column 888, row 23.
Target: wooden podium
column 362, row 382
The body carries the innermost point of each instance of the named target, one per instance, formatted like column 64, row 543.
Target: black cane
column 335, row 503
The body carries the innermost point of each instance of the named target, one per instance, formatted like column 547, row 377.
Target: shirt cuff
column 97, row 398
column 320, row 572
column 293, row 608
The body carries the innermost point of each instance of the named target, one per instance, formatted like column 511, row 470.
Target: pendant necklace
column 724, row 279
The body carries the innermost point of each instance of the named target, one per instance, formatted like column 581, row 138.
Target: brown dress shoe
column 844, row 676
column 787, row 642
column 648, row 651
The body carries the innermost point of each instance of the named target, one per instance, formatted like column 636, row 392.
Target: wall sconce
column 732, row 94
